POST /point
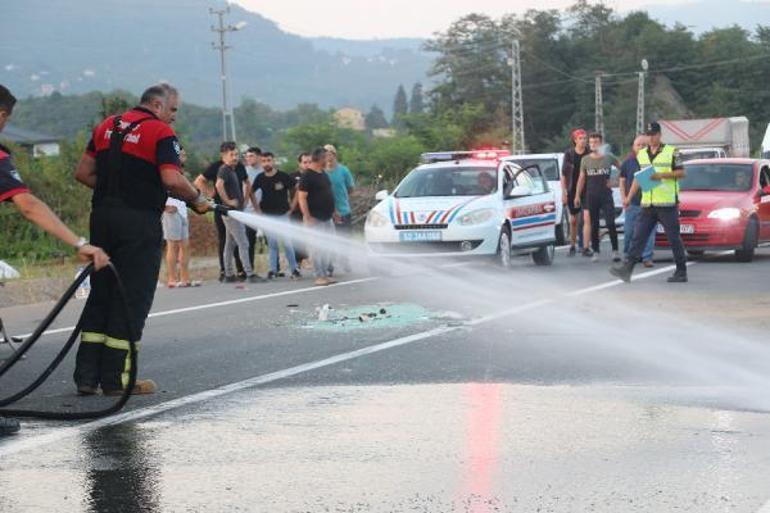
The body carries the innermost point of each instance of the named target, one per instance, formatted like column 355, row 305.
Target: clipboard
column 645, row 182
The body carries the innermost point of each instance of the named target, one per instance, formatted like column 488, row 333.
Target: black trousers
column 646, row 223
column 606, row 205
column 132, row 239
column 251, row 236
column 221, row 238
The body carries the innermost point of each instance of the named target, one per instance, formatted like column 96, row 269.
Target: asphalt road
column 533, row 389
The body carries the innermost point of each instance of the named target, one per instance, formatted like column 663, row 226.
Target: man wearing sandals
column 176, row 232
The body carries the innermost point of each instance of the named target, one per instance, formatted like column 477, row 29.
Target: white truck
column 708, row 138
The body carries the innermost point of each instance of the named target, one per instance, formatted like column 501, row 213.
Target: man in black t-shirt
column 276, row 187
column 205, row 182
column 295, row 214
column 570, row 173
column 231, row 192
column 594, row 194
column 316, row 200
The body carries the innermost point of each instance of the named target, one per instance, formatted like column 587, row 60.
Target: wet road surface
column 537, row 389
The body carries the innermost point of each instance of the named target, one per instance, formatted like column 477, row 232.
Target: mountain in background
column 76, row 46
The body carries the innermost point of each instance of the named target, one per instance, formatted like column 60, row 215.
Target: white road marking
column 59, row 434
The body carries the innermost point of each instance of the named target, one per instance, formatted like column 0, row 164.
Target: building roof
column 23, row 136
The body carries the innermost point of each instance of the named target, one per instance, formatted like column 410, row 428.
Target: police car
column 466, row 204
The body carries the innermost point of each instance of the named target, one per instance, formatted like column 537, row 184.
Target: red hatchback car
column 724, row 204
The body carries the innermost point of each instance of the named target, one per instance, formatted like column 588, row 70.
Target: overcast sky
column 367, row 19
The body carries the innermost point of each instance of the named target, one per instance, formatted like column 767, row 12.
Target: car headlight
column 376, row 220
column 476, row 217
column 725, row 214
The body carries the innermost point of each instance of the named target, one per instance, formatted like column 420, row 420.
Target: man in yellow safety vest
column 660, row 204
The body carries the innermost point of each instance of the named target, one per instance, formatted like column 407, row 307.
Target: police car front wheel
column 503, row 256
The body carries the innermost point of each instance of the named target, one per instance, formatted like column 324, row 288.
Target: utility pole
column 640, row 99
column 223, row 47
column 517, row 103
column 599, row 105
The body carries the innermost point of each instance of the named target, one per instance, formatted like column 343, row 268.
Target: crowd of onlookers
column 316, row 195
column 587, row 194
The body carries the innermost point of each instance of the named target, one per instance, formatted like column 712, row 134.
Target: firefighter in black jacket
column 132, row 164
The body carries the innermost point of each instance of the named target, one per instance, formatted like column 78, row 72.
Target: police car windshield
column 548, row 166
column 448, row 181
column 717, row 177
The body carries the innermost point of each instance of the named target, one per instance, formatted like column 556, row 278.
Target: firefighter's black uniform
column 129, row 197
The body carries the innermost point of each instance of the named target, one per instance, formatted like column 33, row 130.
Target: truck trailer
column 708, row 138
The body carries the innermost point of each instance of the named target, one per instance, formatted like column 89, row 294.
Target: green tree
column 400, row 105
column 416, row 101
column 375, row 118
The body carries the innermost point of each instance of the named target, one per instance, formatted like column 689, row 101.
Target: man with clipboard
column 661, row 169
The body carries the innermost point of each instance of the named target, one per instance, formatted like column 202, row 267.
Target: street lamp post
column 223, row 47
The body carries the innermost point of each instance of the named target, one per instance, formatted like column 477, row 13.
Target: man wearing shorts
column 570, row 172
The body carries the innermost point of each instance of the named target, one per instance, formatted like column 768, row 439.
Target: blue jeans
column 645, row 228
column 631, row 218
column 273, row 240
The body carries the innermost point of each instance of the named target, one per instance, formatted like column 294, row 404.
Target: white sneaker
column 595, row 257
column 616, row 256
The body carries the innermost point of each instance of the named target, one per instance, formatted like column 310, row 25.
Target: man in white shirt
column 253, row 169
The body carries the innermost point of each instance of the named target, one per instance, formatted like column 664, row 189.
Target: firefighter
column 13, row 189
column 131, row 163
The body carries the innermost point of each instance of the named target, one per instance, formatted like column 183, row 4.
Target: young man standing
column 303, row 164
column 570, row 173
column 275, row 187
column 230, row 188
column 595, row 172
column 206, row 182
column 316, row 201
column 633, row 208
column 253, row 169
column 342, row 186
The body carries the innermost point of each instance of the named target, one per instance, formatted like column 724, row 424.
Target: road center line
column 59, row 434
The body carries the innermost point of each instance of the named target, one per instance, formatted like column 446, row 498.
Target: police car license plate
column 683, row 228
column 432, row 236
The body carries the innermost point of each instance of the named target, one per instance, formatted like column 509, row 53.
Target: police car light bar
column 446, row 156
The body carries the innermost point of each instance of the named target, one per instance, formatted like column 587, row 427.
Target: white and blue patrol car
column 465, row 204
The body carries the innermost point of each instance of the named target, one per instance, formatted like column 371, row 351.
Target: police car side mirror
column 381, row 195
column 519, row 191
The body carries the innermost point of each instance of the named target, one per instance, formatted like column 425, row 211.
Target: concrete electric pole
column 222, row 47
column 517, row 103
column 640, row 99
column 599, row 105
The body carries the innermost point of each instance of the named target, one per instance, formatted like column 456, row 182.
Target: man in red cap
column 570, row 173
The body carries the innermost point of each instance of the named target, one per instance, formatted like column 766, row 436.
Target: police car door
column 529, row 206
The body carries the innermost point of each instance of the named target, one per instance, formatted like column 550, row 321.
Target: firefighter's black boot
column 88, row 363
